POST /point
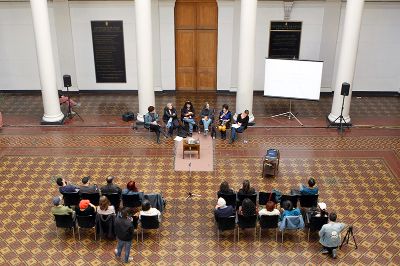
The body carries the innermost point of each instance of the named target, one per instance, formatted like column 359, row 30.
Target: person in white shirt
column 105, row 207
column 269, row 209
column 147, row 210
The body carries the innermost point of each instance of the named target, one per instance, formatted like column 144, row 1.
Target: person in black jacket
column 170, row 118
column 123, row 227
column 241, row 125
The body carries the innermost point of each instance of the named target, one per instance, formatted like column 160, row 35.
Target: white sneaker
column 129, row 259
column 116, row 253
column 334, row 253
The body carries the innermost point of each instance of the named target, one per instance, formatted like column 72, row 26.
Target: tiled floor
column 358, row 175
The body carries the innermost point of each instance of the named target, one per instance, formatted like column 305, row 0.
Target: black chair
column 269, row 222
column 148, row 223
column 229, row 198
column 65, row 221
column 225, row 224
column 308, row 201
column 315, row 223
column 241, row 197
column 296, row 224
column 88, row 221
column 247, row 222
column 264, row 196
column 105, row 225
column 132, row 201
column 71, row 198
column 94, row 198
column 114, row 199
column 292, row 198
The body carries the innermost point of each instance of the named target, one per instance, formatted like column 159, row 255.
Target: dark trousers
column 156, row 129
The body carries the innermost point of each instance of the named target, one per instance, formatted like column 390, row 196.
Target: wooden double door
column 196, row 39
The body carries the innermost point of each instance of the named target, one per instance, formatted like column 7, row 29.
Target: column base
column 53, row 121
column 336, row 123
column 332, row 117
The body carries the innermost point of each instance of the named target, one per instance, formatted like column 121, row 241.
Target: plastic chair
column 269, row 222
column 132, row 200
column 247, row 222
column 263, row 197
column 315, row 223
column 65, row 221
column 241, row 197
column 94, row 198
column 71, row 198
column 292, row 198
column 148, row 223
column 308, row 201
column 229, row 198
column 114, row 199
column 291, row 223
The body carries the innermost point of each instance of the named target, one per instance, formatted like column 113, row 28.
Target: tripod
column 347, row 237
column 69, row 114
column 190, row 194
column 288, row 114
column 342, row 122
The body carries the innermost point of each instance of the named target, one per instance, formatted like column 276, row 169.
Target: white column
column 144, row 56
column 347, row 58
column 44, row 50
column 244, row 95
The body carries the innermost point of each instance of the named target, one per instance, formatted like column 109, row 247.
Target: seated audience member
column 59, row 209
column 130, row 189
column 86, row 187
column 170, row 118
column 147, row 210
column 225, row 189
column 246, row 189
column 330, row 235
column 288, row 209
column 311, row 189
column 224, row 122
column 242, row 121
column 105, row 207
column 124, row 229
column 110, row 187
column 151, row 122
column 223, row 211
column 248, row 208
column 187, row 116
column 207, row 117
column 85, row 208
column 64, row 187
column 269, row 209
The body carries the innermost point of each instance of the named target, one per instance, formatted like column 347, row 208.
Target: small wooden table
column 190, row 147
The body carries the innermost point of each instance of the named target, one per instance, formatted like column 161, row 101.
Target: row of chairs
column 314, row 223
column 132, row 201
column 89, row 222
column 306, row 201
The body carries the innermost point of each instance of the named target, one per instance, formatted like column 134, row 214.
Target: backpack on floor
column 182, row 132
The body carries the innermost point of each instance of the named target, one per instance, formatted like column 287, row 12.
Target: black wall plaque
column 284, row 39
column 108, row 49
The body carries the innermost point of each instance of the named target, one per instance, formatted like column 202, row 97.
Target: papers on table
column 235, row 126
column 177, row 138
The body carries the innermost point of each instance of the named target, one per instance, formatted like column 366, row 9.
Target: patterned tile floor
column 358, row 175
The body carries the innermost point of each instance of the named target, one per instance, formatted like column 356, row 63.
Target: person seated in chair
column 131, row 189
column 65, row 187
column 147, row 210
column 170, row 118
column 110, row 187
column 150, row 122
column 87, row 188
column 223, row 211
column 59, row 209
column 248, row 208
column 246, row 189
column 288, row 209
column 269, row 209
column 207, row 117
column 85, row 208
column 311, row 189
column 224, row 122
column 225, row 189
column 188, row 114
column 105, row 207
column 330, row 235
column 242, row 121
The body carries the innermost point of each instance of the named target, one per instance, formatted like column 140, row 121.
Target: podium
column 271, row 164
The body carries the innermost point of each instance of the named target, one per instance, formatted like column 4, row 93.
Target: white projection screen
column 295, row 79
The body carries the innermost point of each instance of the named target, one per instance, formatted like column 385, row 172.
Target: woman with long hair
column 105, row 207
column 188, row 114
column 225, row 117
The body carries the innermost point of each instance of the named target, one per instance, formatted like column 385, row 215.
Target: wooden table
column 190, row 147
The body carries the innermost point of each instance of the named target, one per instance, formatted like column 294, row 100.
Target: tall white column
column 44, row 50
column 244, row 95
column 347, row 58
column 144, row 55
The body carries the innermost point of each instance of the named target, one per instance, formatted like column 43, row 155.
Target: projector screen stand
column 288, row 114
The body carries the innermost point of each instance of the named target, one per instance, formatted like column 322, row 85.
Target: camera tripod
column 342, row 123
column 347, row 237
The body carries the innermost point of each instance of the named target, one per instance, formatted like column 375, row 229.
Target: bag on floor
column 128, row 116
column 182, row 132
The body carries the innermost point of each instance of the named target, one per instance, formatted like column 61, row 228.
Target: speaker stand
column 70, row 114
column 341, row 123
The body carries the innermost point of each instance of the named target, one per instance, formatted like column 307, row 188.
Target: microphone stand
column 190, row 194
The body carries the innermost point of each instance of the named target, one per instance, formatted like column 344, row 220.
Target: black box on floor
column 128, row 116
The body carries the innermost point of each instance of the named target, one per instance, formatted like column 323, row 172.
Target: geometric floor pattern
column 358, row 176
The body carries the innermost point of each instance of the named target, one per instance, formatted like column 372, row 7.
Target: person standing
column 124, row 232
